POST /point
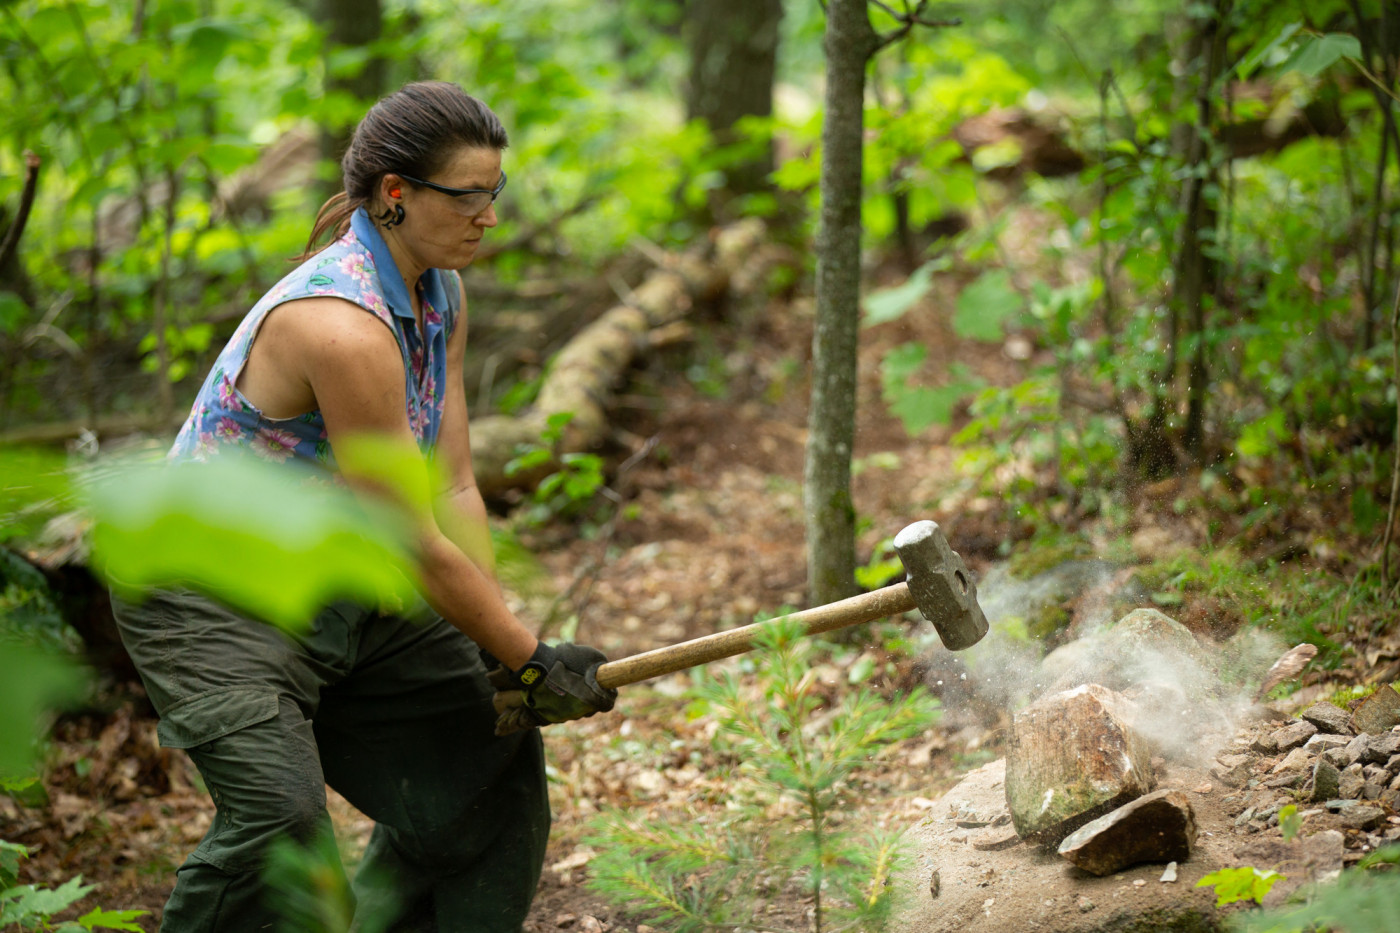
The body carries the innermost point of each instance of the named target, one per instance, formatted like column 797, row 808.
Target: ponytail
column 332, row 222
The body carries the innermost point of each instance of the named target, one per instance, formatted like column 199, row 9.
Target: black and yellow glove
column 557, row 684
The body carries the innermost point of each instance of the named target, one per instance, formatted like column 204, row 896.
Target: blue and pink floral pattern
column 222, row 419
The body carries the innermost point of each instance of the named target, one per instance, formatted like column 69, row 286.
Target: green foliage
column 794, row 764
column 920, row 407
column 984, row 306
column 573, row 482
column 31, row 907
column 267, row 538
column 32, row 681
column 1289, row 822
column 34, row 485
column 1238, row 884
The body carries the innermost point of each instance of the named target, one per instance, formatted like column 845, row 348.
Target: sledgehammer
column 936, row 583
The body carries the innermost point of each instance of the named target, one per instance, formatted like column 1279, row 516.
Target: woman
column 367, row 337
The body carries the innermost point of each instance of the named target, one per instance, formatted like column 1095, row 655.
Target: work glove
column 557, row 684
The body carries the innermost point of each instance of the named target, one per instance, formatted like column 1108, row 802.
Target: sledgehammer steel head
column 941, row 586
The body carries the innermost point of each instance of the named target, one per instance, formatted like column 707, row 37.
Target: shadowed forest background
column 1085, row 282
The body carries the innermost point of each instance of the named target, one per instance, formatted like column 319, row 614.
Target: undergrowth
column 794, row 762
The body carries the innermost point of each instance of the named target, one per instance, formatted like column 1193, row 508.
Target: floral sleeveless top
column 222, row 419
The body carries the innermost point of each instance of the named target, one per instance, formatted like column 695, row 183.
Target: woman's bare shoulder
column 325, row 324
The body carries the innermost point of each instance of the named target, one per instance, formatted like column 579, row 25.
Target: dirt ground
column 709, row 533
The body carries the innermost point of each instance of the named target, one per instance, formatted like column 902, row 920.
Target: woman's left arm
column 461, row 512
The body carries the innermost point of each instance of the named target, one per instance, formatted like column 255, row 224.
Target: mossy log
column 583, row 376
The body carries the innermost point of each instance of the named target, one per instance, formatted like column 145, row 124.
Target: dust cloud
column 1188, row 694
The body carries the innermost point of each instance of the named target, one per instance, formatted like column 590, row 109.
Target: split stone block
column 1379, row 712
column 1159, row 827
column 1328, row 717
column 1072, row 757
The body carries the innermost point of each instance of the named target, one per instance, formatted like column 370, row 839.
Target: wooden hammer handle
column 882, row 603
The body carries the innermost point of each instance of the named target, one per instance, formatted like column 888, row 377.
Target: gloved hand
column 557, row 684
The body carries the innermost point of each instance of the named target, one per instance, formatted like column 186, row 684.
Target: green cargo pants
column 394, row 714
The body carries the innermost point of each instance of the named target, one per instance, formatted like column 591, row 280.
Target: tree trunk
column 350, row 23
column 733, row 55
column 1196, row 274
column 830, row 514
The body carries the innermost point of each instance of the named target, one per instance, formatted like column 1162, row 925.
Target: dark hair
column 414, row 130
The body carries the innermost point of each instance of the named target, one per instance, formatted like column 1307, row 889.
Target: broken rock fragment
column 1072, row 757
column 1159, row 827
column 1379, row 712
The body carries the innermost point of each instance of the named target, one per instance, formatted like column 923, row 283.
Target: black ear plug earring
column 392, row 218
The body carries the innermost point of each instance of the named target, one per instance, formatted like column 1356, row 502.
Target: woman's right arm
column 352, row 365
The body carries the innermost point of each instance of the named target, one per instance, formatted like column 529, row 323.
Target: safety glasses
column 469, row 201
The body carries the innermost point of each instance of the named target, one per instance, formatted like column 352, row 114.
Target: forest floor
column 709, row 534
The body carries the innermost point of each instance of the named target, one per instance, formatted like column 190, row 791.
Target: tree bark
column 350, row 23
column 733, row 56
column 830, row 514
column 1196, row 273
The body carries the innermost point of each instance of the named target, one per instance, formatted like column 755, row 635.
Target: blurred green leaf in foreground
column 275, row 542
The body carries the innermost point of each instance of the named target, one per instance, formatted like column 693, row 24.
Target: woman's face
column 442, row 230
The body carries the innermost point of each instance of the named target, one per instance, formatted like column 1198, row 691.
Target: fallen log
column 583, row 376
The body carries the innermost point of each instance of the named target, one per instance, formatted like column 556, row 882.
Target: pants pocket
column 214, row 714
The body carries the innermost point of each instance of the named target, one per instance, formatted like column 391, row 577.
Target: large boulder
column 1072, row 757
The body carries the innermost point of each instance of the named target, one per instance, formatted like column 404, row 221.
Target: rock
column 1297, row 760
column 1378, row 713
column 1380, row 748
column 1350, row 783
column 1327, row 717
column 1152, row 632
column 1169, row 876
column 1393, row 765
column 1339, row 756
column 1356, row 748
column 1265, row 744
column 1371, row 791
column 1232, row 769
column 1362, row 817
column 1159, row 827
column 1071, row 758
column 1326, row 780
column 1325, row 740
column 1292, row 736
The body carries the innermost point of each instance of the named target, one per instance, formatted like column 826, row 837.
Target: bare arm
column 352, row 365
column 460, row 509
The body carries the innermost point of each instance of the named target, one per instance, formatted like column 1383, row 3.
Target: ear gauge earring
column 392, row 218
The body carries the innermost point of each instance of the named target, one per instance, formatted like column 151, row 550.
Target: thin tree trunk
column 1197, row 272
column 830, row 514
